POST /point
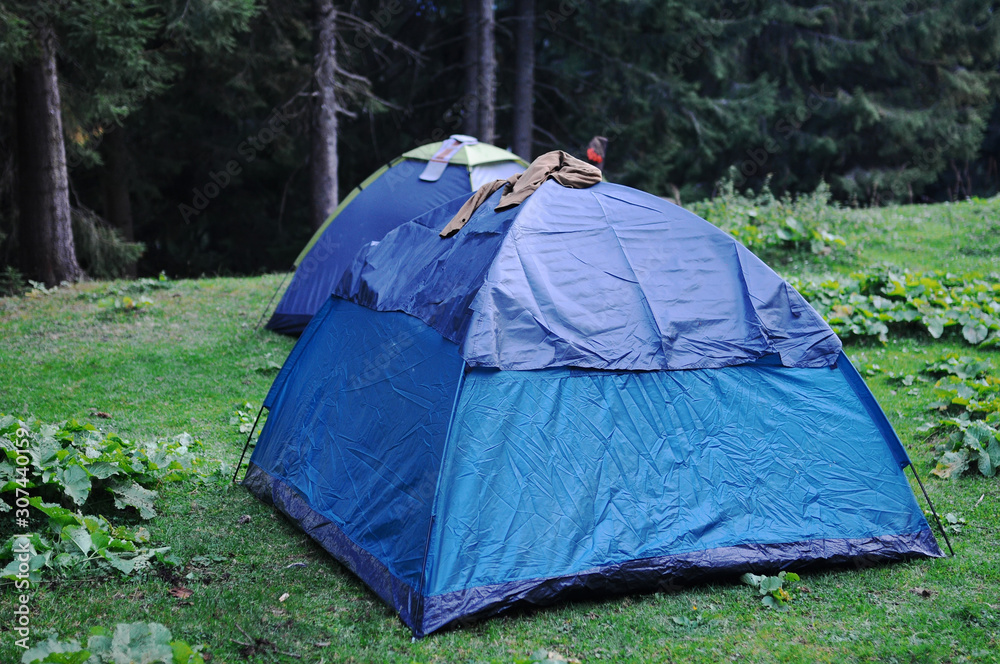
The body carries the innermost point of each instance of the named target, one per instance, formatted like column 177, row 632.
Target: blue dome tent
column 595, row 391
column 409, row 185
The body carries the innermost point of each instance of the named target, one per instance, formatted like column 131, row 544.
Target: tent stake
column 268, row 307
column 247, row 446
column 913, row 469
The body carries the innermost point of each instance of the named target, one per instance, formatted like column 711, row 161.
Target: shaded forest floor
column 188, row 360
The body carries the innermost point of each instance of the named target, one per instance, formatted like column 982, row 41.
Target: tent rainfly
column 593, row 391
column 409, row 185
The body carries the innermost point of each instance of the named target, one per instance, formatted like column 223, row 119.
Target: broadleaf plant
column 150, row 643
column 888, row 301
column 966, row 432
column 63, row 479
column 774, row 593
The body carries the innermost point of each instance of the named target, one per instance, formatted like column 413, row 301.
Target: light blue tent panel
column 558, row 471
column 604, row 278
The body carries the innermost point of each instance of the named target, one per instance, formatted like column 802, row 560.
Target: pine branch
column 372, row 30
column 625, row 66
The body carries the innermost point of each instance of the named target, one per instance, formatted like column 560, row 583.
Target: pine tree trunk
column 46, row 230
column 487, row 72
column 324, row 131
column 470, row 67
column 524, row 77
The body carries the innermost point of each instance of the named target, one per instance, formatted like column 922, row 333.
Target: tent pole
column 247, row 446
column 268, row 306
column 419, row 618
column 913, row 469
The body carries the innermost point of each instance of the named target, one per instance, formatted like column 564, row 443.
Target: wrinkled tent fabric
column 595, row 391
column 676, row 293
column 392, row 195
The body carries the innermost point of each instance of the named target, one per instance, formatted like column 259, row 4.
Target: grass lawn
column 185, row 362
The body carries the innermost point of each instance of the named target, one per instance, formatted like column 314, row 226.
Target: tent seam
column 437, row 485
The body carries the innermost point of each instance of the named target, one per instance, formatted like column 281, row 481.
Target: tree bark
column 46, row 229
column 524, row 78
column 323, row 160
column 487, row 72
column 470, row 67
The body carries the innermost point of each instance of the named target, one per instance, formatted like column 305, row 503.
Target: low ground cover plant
column 63, row 482
column 965, row 431
column 149, row 643
column 767, row 224
column 885, row 301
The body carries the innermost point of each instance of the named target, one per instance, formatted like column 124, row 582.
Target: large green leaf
column 769, row 584
column 46, row 443
column 75, row 481
column 978, row 437
column 183, row 654
column 52, row 651
column 103, row 470
column 774, row 603
column 79, row 536
column 147, row 643
column 989, row 458
column 952, row 464
column 123, row 565
column 128, row 565
column 935, row 326
column 975, row 333
column 64, row 561
column 36, row 563
column 101, row 539
column 130, row 494
column 60, row 515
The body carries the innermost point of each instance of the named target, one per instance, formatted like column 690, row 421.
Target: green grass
column 184, row 364
column 957, row 237
column 954, row 237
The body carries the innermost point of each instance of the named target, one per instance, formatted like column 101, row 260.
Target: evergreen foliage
column 102, row 252
column 884, row 100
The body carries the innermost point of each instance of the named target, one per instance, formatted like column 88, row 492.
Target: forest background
column 208, row 137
